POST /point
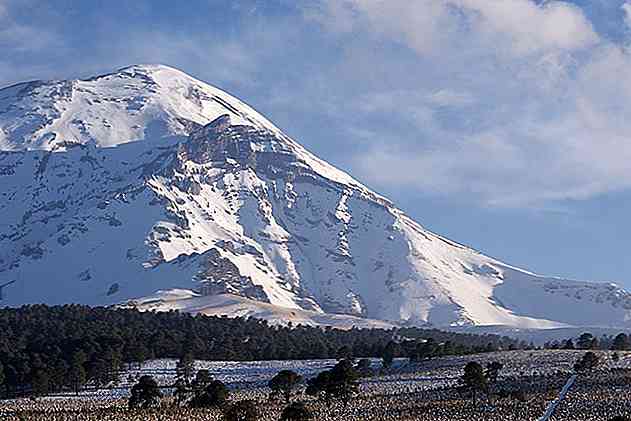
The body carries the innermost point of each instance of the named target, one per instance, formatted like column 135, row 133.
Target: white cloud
column 18, row 37
column 626, row 8
column 449, row 98
column 506, row 102
column 518, row 27
column 527, row 27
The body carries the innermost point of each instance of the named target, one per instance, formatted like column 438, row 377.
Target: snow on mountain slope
column 147, row 179
column 218, row 305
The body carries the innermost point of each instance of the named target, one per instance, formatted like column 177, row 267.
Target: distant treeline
column 46, row 349
column 620, row 342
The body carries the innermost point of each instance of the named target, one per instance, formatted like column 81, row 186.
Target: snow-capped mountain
column 146, row 179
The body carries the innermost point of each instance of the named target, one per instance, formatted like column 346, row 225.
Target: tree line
column 587, row 341
column 46, row 349
column 341, row 382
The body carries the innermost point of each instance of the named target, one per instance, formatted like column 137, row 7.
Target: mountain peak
column 139, row 102
column 210, row 196
column 148, row 67
column 156, row 72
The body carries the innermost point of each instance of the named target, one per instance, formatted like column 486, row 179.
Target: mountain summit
column 146, row 179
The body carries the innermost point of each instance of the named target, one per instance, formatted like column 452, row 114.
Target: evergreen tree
column 585, row 341
column 343, row 381
column 344, row 352
column 59, row 372
column 297, row 411
column 493, row 370
column 145, row 394
column 474, row 379
column 112, row 360
column 428, row 349
column 246, row 410
column 317, row 386
column 588, row 362
column 388, row 354
column 185, row 367
column 364, row 367
column 285, row 382
column 202, row 380
column 41, row 382
column 621, row 342
column 491, row 347
column 182, row 392
column 138, row 353
column 214, row 394
column 98, row 371
column 2, row 378
column 77, row 373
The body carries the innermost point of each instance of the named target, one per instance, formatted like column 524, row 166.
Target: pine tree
column 568, row 344
column 41, row 382
column 343, row 381
column 621, row 342
column 202, row 380
column 185, row 367
column 77, row 373
column 585, row 341
column 215, row 394
column 588, row 362
column 297, row 411
column 285, row 382
column 144, row 394
column 246, row 410
column 364, row 367
column 474, row 379
column 182, row 392
column 317, row 386
column 427, row 349
column 344, row 352
column 2, row 376
column 59, row 373
column 113, row 365
column 389, row 353
column 493, row 370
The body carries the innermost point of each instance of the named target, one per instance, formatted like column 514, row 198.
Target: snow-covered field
column 422, row 391
column 403, row 377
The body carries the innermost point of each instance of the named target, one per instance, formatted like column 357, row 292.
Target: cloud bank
column 512, row 103
column 508, row 103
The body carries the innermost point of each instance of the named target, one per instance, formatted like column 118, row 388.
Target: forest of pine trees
column 45, row 349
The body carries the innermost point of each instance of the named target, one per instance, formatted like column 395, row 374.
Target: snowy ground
column 409, row 389
column 404, row 377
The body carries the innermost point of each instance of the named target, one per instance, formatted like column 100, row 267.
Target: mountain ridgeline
column 148, row 188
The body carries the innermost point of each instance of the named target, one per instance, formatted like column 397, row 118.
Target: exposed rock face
column 147, row 179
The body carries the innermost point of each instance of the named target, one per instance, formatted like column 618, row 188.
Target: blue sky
column 503, row 124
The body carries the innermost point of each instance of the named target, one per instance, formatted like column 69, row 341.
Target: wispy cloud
column 503, row 103
column 507, row 103
column 626, row 8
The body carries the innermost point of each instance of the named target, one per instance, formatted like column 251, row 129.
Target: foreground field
column 426, row 391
